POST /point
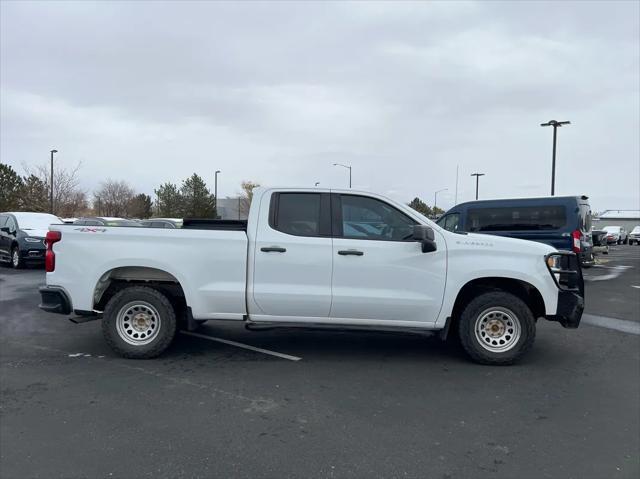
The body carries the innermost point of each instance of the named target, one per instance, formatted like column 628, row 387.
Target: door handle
column 273, row 249
column 352, row 252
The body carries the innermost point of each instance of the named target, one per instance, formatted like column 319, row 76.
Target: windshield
column 36, row 221
column 612, row 229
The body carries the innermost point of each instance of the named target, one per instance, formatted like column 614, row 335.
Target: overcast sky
column 277, row 92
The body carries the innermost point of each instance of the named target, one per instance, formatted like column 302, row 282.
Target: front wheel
column 139, row 322
column 496, row 328
column 16, row 259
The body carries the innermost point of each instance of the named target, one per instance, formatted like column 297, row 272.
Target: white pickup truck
column 311, row 258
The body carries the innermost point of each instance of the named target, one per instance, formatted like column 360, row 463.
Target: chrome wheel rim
column 138, row 323
column 497, row 329
column 15, row 258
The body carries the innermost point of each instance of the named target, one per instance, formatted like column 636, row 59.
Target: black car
column 563, row 222
column 22, row 237
column 106, row 221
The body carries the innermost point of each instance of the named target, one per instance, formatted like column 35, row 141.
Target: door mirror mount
column 425, row 235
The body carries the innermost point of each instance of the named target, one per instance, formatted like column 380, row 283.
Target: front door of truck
column 379, row 272
column 293, row 257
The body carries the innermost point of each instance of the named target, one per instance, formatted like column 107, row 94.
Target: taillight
column 50, row 256
column 577, row 236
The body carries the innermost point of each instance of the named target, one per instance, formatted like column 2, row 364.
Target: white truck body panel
column 225, row 275
column 211, row 268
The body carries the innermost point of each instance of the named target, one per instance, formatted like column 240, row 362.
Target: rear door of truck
column 292, row 256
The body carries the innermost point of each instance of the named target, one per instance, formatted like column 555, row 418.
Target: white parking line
column 612, row 323
column 244, row 346
column 615, row 272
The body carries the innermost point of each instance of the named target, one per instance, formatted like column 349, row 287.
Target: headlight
column 33, row 240
column 553, row 262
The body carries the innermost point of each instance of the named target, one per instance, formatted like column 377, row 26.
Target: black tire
column 15, row 253
column 122, row 302
column 479, row 310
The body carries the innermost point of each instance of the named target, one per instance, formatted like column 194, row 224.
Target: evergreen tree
column 34, row 195
column 10, row 188
column 140, row 206
column 169, row 201
column 197, row 201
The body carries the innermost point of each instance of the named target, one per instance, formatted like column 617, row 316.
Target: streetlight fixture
column 477, row 175
column 51, row 185
column 345, row 166
column 215, row 194
column 555, row 124
column 435, row 199
column 317, row 183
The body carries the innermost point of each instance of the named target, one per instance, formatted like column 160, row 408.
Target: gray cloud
column 277, row 92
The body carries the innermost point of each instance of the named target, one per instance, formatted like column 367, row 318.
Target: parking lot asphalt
column 360, row 405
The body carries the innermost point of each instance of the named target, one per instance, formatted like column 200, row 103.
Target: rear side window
column 296, row 214
column 585, row 218
column 520, row 218
column 3, row 220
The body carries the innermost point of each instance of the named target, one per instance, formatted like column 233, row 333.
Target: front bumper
column 54, row 300
column 569, row 310
column 29, row 252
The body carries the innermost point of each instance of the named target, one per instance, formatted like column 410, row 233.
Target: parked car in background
column 106, row 221
column 634, row 236
column 162, row 223
column 599, row 238
column 22, row 237
column 616, row 235
column 563, row 222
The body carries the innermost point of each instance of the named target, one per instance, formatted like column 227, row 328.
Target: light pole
column 435, row 199
column 215, row 194
column 345, row 166
column 555, row 124
column 51, row 185
column 477, row 175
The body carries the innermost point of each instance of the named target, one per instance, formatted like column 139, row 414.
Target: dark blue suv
column 563, row 222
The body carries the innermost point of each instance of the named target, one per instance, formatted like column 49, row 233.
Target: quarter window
column 297, row 213
column 372, row 219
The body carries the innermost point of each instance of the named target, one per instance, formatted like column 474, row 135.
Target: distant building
column 230, row 209
column 625, row 218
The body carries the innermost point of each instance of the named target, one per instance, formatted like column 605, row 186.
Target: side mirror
column 5, row 229
column 426, row 236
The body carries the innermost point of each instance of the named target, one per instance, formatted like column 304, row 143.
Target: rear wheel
column 139, row 322
column 497, row 328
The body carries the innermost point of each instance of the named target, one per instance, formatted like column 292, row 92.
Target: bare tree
column 246, row 197
column 66, row 187
column 113, row 198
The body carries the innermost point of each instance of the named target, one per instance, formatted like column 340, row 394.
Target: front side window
column 297, row 214
column 372, row 219
column 11, row 224
column 3, row 220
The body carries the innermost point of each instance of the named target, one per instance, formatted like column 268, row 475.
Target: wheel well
column 117, row 279
column 525, row 291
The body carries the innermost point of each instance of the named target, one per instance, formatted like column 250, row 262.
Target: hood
column 36, row 233
column 508, row 244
